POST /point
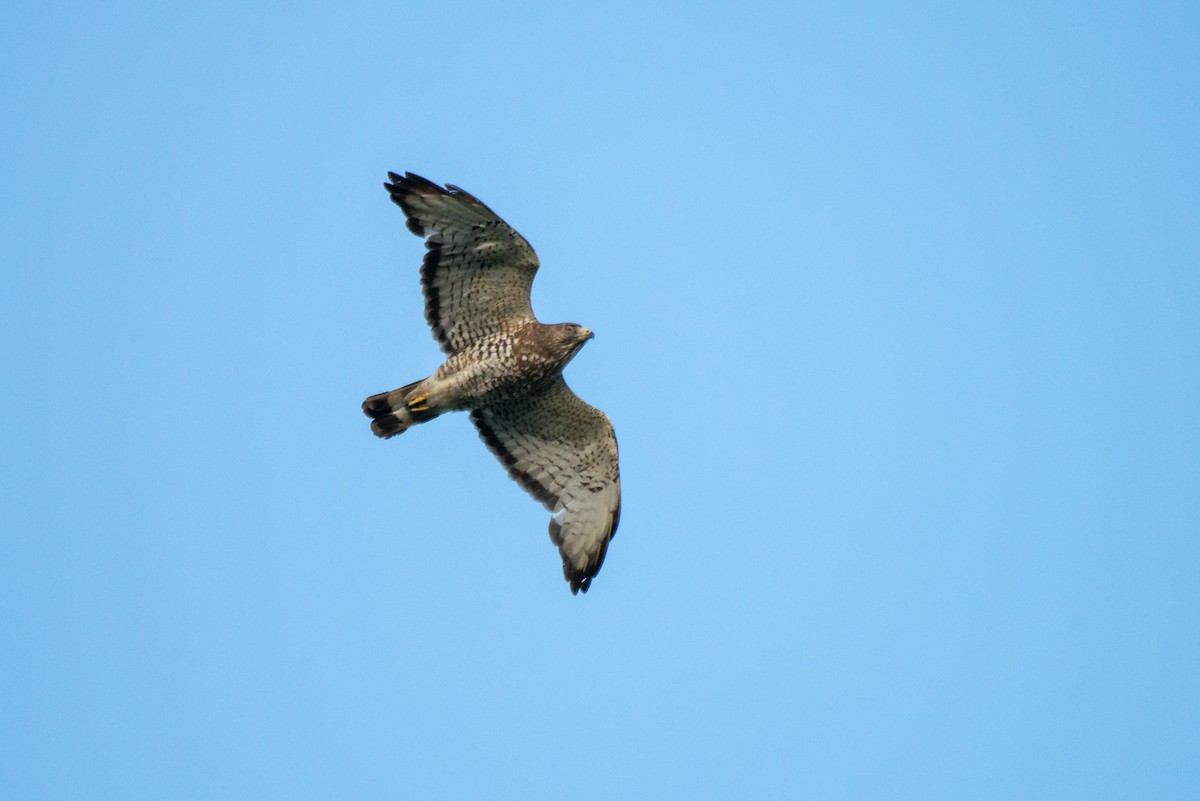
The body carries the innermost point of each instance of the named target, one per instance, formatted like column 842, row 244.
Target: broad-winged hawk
column 505, row 367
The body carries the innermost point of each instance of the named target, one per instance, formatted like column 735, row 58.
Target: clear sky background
column 897, row 315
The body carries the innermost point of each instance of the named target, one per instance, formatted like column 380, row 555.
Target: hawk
column 505, row 368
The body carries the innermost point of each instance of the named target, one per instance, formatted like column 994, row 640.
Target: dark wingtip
column 399, row 189
column 580, row 580
column 414, row 180
column 411, row 182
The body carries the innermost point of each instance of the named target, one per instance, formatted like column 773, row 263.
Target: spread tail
column 394, row 412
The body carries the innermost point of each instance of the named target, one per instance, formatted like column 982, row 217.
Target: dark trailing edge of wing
column 402, row 188
column 527, row 482
column 433, row 303
column 580, row 580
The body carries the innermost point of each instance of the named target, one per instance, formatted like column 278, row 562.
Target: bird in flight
column 505, row 368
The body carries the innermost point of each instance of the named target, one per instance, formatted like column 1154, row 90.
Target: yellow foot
column 418, row 404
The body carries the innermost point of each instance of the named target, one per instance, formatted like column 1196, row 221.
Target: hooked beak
column 585, row 334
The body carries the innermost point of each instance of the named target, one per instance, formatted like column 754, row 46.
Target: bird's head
column 571, row 337
column 571, row 332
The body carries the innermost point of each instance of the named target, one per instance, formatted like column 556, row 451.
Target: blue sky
column 897, row 317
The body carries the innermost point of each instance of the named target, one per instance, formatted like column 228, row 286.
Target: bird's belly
column 467, row 381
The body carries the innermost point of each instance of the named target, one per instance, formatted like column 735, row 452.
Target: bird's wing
column 564, row 453
column 477, row 272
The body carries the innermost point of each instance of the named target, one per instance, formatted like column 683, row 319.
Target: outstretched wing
column 564, row 453
column 478, row 270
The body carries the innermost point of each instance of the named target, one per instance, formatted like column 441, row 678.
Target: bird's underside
column 505, row 368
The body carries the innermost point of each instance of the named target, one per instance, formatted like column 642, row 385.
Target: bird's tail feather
column 390, row 413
